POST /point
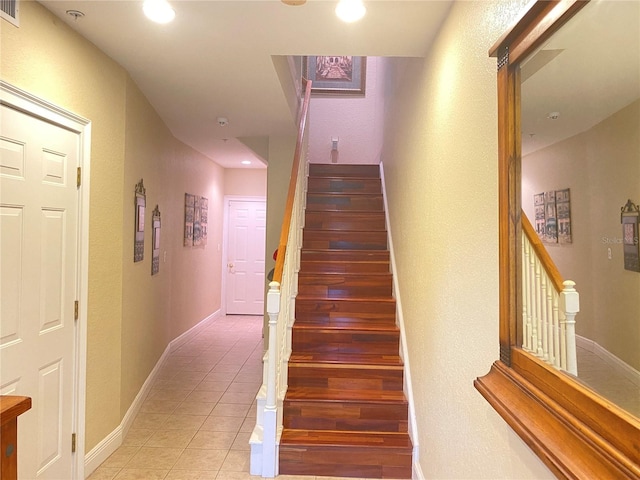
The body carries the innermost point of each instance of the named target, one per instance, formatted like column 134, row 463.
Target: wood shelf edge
column 570, row 449
column 12, row 406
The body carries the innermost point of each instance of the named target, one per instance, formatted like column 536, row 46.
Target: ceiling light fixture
column 294, row 3
column 158, row 11
column 350, row 10
column 246, row 162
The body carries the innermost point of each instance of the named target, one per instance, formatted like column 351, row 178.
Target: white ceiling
column 215, row 58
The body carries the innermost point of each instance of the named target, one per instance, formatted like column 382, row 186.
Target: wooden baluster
column 556, row 330
column 538, row 303
column 571, row 304
column 526, row 295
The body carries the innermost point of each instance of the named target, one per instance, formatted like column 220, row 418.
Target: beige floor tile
column 241, row 398
column 141, row 474
column 150, row 421
column 154, row 458
column 213, row 386
column 237, row 386
column 195, row 408
column 204, row 396
column 220, row 376
column 241, row 442
column 242, row 476
column 184, row 422
column 120, row 457
column 171, row 438
column 195, row 459
column 236, row 461
column 248, row 424
column 159, row 405
column 104, row 473
column 170, row 395
column 223, row 424
column 136, row 437
column 230, row 410
column 228, row 368
column 191, row 475
column 206, row 439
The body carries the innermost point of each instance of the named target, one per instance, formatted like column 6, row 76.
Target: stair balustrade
column 549, row 306
column 280, row 311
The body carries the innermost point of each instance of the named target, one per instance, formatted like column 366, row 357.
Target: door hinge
column 73, row 443
column 79, row 177
column 75, row 310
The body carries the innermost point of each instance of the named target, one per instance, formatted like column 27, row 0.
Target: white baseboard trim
column 404, row 352
column 609, row 358
column 417, row 472
column 111, row 442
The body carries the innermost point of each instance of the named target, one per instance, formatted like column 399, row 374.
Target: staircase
column 345, row 413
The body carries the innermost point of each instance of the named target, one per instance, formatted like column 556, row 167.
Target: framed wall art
column 140, row 205
column 630, row 218
column 155, row 248
column 553, row 216
column 196, row 222
column 336, row 75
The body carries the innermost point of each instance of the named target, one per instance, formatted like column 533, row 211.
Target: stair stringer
column 404, row 353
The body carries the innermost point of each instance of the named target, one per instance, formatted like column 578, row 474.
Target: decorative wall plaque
column 629, row 217
column 141, row 201
column 155, row 256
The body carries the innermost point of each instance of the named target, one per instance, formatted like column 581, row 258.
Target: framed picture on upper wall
column 335, row 75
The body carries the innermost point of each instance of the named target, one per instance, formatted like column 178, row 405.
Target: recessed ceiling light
column 158, row 11
column 246, row 162
column 350, row 10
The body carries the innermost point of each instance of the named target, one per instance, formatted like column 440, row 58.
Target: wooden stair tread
column 343, row 299
column 353, row 327
column 392, row 440
column 309, row 394
column 345, row 360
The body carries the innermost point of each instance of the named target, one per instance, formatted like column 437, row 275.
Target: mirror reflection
column 580, row 166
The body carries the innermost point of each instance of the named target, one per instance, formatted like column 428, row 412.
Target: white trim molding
column 610, row 359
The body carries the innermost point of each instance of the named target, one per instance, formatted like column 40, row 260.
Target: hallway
column 197, row 420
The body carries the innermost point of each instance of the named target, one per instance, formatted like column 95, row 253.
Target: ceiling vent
column 9, row 10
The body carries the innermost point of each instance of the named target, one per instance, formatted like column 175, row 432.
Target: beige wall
column 602, row 169
column 440, row 163
column 131, row 316
column 246, row 182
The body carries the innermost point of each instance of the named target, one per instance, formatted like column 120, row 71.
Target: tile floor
column 196, row 422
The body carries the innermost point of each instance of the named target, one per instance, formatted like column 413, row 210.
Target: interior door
column 245, row 282
column 38, row 275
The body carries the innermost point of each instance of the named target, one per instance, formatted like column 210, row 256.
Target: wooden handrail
column 541, row 252
column 286, row 221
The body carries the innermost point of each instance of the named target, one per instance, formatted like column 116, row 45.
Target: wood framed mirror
column 574, row 430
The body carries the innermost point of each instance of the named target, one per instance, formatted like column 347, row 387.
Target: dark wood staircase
column 345, row 413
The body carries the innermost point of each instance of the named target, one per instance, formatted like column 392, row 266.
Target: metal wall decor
column 140, row 205
column 196, row 212
column 629, row 217
column 155, row 249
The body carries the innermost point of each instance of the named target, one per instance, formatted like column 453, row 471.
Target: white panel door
column 38, row 275
column 245, row 257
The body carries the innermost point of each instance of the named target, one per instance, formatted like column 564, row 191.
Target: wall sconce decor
column 141, row 201
column 629, row 217
column 155, row 257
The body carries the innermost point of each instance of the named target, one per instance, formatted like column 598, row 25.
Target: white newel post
column 571, row 304
column 270, row 460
